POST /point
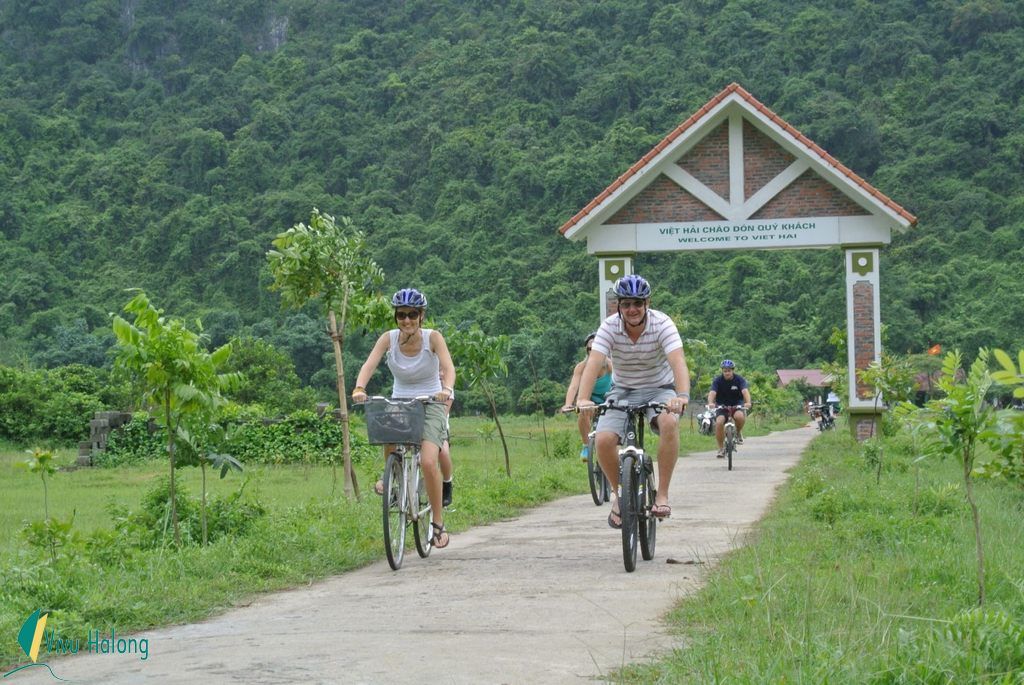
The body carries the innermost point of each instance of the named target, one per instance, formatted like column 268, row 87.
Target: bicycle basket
column 394, row 423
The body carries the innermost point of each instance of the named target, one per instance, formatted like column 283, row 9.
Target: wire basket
column 394, row 423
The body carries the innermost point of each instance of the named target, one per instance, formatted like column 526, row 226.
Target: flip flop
column 661, row 511
column 613, row 524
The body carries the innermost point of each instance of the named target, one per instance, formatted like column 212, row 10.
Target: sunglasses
column 413, row 315
column 632, row 304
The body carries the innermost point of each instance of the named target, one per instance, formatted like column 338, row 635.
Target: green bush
column 301, row 437
column 149, row 526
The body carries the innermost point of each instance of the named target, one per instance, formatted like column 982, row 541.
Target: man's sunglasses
column 632, row 304
column 414, row 314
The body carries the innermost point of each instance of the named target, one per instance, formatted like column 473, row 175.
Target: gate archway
column 735, row 175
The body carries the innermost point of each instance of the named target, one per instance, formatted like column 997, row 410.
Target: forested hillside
column 161, row 145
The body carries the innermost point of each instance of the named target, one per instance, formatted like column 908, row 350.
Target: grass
column 849, row 581
column 309, row 532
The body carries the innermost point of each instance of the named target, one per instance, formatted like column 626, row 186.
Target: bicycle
column 399, row 423
column 600, row 488
column 732, row 434
column 636, row 483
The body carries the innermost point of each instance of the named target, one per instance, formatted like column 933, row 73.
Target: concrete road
column 542, row 598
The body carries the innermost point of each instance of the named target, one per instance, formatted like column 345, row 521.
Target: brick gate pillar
column 863, row 337
column 610, row 269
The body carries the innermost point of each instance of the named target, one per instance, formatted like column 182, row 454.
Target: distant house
column 812, row 377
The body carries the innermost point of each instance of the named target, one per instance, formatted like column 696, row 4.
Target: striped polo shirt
column 644, row 363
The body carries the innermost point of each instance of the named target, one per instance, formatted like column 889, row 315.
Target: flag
column 935, row 349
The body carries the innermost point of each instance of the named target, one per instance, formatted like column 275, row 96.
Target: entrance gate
column 735, row 175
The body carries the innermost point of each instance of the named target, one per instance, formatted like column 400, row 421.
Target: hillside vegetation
column 162, row 145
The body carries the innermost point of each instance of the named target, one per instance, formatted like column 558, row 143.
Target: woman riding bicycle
column 601, row 387
column 422, row 366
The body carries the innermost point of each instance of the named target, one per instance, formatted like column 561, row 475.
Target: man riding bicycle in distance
column 649, row 367
column 729, row 390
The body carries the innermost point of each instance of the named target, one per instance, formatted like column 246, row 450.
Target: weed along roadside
column 500, row 585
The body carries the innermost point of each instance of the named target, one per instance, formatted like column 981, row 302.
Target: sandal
column 617, row 525
column 440, row 534
column 661, row 511
column 721, row 455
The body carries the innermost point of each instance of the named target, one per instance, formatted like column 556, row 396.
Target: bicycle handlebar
column 425, row 399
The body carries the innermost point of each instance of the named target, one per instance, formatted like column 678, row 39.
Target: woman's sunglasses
column 414, row 314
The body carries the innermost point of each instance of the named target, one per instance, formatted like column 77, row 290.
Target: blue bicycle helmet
column 728, row 364
column 409, row 297
column 633, row 286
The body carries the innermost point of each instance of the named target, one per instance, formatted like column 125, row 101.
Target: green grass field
column 310, row 530
column 852, row 581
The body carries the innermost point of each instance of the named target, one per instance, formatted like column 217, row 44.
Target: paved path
column 539, row 599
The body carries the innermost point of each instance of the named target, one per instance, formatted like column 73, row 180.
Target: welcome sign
column 720, row 235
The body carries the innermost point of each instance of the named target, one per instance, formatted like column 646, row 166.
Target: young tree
column 960, row 419
column 327, row 261
column 180, row 380
column 480, row 358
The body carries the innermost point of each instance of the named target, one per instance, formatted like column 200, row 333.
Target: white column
column 863, row 334
column 611, row 268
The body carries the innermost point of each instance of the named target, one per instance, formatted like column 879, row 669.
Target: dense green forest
column 162, row 145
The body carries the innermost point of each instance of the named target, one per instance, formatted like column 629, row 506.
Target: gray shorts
column 615, row 421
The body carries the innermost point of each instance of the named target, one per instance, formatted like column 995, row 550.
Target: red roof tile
column 713, row 102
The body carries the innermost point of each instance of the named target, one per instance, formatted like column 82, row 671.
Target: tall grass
column 849, row 581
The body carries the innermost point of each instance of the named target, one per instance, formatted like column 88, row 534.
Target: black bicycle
column 600, row 489
column 636, row 482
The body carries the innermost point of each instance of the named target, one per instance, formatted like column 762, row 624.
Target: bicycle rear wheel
column 647, row 522
column 628, row 504
column 595, row 475
column 394, row 511
column 421, row 524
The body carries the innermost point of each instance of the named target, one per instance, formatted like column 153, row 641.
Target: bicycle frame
column 636, row 483
column 731, row 432
column 405, row 499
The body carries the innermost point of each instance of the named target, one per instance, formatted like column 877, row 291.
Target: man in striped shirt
column 649, row 367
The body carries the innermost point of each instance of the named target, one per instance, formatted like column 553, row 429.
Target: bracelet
column 358, row 388
column 449, row 389
column 683, row 394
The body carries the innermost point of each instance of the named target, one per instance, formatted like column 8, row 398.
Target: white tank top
column 414, row 376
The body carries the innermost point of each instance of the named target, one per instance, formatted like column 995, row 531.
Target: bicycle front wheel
column 648, row 523
column 730, row 443
column 595, row 475
column 628, row 504
column 394, row 511
column 421, row 523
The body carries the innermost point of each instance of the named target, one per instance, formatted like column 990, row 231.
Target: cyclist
column 421, row 365
column 649, row 367
column 601, row 387
column 729, row 390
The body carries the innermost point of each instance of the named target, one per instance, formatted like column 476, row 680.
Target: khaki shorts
column 435, row 424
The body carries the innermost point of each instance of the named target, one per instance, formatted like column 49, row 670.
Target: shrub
column 149, row 526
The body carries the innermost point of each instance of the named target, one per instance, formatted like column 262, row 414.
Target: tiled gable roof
column 767, row 113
